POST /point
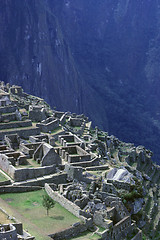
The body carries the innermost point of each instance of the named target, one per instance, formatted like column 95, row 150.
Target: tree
column 48, row 203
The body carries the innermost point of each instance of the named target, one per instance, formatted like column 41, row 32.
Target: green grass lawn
column 76, row 128
column 86, row 236
column 2, row 177
column 96, row 173
column 34, row 218
column 31, row 164
column 56, row 130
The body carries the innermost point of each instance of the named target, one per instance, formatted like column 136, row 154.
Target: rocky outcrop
column 35, row 54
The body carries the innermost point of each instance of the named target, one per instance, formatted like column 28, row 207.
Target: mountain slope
column 96, row 57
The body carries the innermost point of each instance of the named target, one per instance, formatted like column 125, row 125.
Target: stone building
column 4, row 98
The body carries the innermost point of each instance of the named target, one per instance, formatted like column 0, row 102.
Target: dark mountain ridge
column 97, row 57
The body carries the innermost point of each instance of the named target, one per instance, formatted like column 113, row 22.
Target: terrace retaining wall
column 23, row 133
column 8, row 109
column 16, row 124
column 71, row 207
column 18, row 189
column 71, row 232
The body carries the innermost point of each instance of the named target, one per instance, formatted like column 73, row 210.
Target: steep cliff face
column 34, row 53
column 97, row 57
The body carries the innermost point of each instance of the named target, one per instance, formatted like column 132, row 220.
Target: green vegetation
column 138, row 216
column 76, row 128
column 135, row 192
column 31, row 163
column 48, row 203
column 27, row 207
column 2, row 177
column 101, row 229
column 144, row 237
column 56, row 130
column 86, row 236
column 130, row 196
column 148, row 205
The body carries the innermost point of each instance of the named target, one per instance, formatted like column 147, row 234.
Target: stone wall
column 8, row 109
column 71, row 207
column 85, row 164
column 37, row 113
column 138, row 236
column 109, row 188
column 23, row 133
column 47, row 155
column 56, row 135
column 120, row 184
column 63, row 118
column 16, row 90
column 100, row 221
column 57, row 178
column 7, row 182
column 8, row 232
column 23, row 174
column 122, row 226
column 73, row 154
column 74, row 172
column 80, row 158
column 18, row 189
column 97, row 168
column 69, row 140
column 48, row 126
column 58, row 114
column 75, row 122
column 17, row 124
column 16, row 158
column 9, row 117
column 71, row 232
column 109, row 199
column 39, row 138
column 119, row 231
column 6, row 166
column 29, row 148
column 81, row 130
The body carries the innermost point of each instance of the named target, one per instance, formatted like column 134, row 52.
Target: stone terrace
column 70, row 140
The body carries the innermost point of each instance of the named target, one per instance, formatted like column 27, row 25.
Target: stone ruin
column 4, row 98
column 48, row 125
column 73, row 154
column 12, row 140
column 16, row 90
column 13, row 231
column 37, row 113
column 70, row 140
column 83, row 172
column 46, row 155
